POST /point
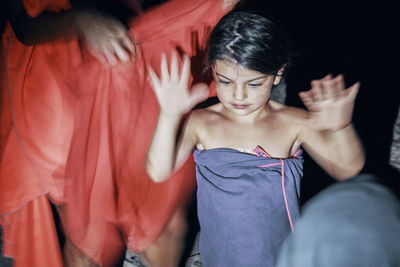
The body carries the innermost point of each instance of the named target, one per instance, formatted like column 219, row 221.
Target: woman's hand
column 330, row 105
column 107, row 38
column 171, row 88
column 229, row 4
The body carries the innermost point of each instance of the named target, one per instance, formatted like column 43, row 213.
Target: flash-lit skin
column 241, row 91
column 246, row 117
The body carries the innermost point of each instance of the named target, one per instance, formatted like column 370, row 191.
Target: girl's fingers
column 352, row 91
column 327, row 77
column 153, row 78
column 307, row 98
column 164, row 67
column 317, row 91
column 339, row 82
column 331, row 88
column 185, row 73
column 174, row 66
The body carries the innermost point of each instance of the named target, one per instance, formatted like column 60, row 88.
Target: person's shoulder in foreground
column 352, row 223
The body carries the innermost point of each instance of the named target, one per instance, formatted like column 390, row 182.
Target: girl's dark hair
column 251, row 40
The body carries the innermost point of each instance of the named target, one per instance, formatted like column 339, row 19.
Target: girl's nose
column 239, row 93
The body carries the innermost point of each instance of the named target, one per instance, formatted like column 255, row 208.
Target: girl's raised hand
column 329, row 103
column 171, row 88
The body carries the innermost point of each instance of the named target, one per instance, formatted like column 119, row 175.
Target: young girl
column 247, row 147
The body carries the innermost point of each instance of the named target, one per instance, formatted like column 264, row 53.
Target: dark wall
column 357, row 41
column 3, row 9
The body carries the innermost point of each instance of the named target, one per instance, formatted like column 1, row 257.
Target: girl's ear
column 279, row 75
column 213, row 70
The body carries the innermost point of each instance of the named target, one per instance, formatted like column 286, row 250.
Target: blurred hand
column 107, row 38
column 229, row 4
column 171, row 88
column 330, row 105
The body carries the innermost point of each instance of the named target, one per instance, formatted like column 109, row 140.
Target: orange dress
column 78, row 133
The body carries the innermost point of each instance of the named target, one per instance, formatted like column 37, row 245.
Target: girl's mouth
column 239, row 106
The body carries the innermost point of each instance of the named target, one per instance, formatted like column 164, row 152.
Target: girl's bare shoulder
column 288, row 113
column 206, row 115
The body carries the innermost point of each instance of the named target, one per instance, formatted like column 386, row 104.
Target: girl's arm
column 327, row 132
column 175, row 100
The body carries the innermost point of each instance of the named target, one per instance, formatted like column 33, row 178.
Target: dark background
column 355, row 40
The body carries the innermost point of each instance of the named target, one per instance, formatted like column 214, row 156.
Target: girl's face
column 242, row 91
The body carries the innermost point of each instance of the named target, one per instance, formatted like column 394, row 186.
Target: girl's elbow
column 158, row 179
column 349, row 172
column 156, row 176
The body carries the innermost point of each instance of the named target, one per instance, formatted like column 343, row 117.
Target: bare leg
column 166, row 251
column 74, row 257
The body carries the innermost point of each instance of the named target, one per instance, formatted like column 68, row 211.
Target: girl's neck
column 251, row 118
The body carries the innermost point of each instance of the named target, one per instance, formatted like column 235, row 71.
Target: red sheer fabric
column 115, row 121
column 30, row 236
column 35, row 7
column 79, row 132
column 29, row 159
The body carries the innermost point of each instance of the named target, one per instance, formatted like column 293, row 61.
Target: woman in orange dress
column 76, row 132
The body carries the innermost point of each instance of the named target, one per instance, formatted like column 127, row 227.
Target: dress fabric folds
column 247, row 205
column 78, row 132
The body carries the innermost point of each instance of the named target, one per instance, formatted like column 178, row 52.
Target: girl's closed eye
column 225, row 82
column 255, row 84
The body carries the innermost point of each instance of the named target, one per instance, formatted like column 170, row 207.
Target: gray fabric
column 241, row 206
column 350, row 224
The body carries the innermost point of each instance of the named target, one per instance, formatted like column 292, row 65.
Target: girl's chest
column 278, row 140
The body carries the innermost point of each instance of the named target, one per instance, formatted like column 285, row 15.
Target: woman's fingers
column 122, row 34
column 110, row 56
column 119, row 51
column 106, row 36
column 129, row 45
